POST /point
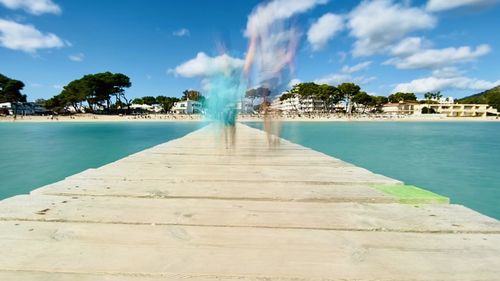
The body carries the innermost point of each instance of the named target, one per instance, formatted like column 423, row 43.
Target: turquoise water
column 35, row 154
column 458, row 160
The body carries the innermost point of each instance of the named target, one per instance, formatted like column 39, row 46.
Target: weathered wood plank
column 235, row 190
column 230, row 213
column 247, row 252
column 338, row 175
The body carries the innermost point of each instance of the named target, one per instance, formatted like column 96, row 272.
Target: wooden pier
column 190, row 209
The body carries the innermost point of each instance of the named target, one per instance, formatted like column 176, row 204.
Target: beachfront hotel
column 155, row 108
column 298, row 105
column 464, row 110
column 444, row 109
column 187, row 107
column 22, row 108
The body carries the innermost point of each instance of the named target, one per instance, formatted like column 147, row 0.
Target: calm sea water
column 35, row 154
column 458, row 160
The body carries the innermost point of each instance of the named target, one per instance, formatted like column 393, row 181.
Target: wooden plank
column 247, row 252
column 230, row 213
column 234, row 190
column 64, row 276
column 338, row 175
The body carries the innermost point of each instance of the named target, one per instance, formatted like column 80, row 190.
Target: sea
column 459, row 160
column 36, row 154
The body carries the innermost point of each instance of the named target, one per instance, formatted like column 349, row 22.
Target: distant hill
column 491, row 97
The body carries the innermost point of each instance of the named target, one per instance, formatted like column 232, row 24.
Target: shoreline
column 90, row 118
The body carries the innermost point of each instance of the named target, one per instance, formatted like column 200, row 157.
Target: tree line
column 105, row 92
column 168, row 102
column 352, row 96
column 99, row 92
column 349, row 93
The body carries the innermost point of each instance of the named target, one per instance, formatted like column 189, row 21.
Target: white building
column 402, row 108
column 22, row 108
column 156, row 108
column 6, row 108
column 298, row 105
column 245, row 107
column 72, row 109
column 187, row 107
column 445, row 109
column 463, row 110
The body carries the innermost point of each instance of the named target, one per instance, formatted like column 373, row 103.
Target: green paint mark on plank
column 409, row 194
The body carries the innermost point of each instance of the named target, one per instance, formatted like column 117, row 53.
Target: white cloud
column 408, row 46
column 35, row 7
column 447, row 72
column 356, row 68
column 203, row 65
column 324, row 29
column 26, row 37
column 264, row 16
column 77, row 57
column 182, row 32
column 378, row 24
column 438, row 58
column 333, row 79
column 441, row 5
column 339, row 78
column 431, row 84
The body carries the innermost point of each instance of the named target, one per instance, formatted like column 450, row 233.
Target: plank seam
column 378, row 229
column 383, row 198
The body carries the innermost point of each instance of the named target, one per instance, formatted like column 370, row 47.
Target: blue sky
column 383, row 45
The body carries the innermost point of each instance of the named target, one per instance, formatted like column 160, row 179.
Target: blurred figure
column 229, row 121
column 225, row 90
column 272, row 125
column 273, row 41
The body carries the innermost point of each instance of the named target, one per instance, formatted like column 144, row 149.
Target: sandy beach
column 105, row 118
column 335, row 118
column 243, row 118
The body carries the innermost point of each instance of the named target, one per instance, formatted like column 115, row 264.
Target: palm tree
column 436, row 96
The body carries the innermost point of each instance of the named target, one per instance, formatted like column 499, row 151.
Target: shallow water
column 458, row 160
column 35, row 154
